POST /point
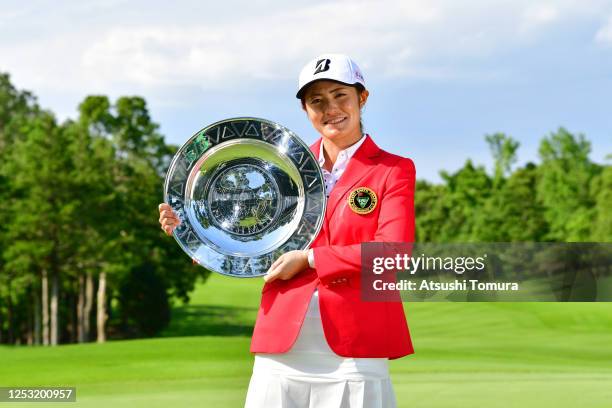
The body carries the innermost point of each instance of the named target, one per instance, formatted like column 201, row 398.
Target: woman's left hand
column 287, row 266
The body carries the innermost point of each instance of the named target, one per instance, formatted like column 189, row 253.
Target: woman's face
column 335, row 110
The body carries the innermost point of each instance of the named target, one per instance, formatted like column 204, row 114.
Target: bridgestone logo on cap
column 322, row 65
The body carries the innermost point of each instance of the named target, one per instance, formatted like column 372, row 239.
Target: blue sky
column 441, row 73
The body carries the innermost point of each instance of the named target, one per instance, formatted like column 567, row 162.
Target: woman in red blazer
column 316, row 343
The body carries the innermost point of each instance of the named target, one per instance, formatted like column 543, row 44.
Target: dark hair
column 358, row 87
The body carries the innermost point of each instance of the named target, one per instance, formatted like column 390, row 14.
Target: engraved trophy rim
column 273, row 184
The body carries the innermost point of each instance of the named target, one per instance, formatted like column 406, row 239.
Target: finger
column 274, row 271
column 276, row 267
column 270, row 277
column 169, row 217
column 169, row 222
column 168, row 229
column 271, row 270
column 164, row 206
column 168, row 214
column 277, row 262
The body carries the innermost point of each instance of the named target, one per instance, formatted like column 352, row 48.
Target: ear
column 363, row 97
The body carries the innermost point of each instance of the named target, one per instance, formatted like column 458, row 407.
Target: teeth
column 334, row 121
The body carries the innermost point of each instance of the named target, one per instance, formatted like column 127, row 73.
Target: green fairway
column 467, row 355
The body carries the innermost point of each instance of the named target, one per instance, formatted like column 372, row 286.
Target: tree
column 564, row 186
column 504, row 150
column 468, row 190
column 40, row 211
column 81, row 203
column 431, row 211
column 17, row 108
column 513, row 213
column 602, row 191
column 132, row 240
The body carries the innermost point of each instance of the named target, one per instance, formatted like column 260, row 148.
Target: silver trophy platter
column 246, row 191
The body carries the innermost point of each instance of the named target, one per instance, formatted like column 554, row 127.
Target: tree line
column 566, row 197
column 82, row 257
column 82, row 254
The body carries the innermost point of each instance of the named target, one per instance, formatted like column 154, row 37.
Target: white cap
column 335, row 67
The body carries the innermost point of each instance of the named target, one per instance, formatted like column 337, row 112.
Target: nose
column 331, row 107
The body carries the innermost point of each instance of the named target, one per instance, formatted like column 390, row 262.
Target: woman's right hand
column 168, row 219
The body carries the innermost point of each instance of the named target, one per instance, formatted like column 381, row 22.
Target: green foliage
column 601, row 189
column 80, row 198
column 512, row 212
column 466, row 194
column 564, row 186
column 30, row 190
column 504, row 150
column 144, row 305
column 565, row 198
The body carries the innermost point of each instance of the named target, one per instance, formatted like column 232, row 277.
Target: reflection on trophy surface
column 246, row 190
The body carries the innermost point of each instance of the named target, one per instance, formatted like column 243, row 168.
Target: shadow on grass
column 210, row 321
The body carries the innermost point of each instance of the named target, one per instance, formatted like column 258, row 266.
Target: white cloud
column 268, row 47
column 538, row 16
column 399, row 38
column 604, row 34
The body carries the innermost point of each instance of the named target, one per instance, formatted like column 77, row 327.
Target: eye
column 340, row 94
column 315, row 101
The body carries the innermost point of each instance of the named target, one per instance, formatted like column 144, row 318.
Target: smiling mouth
column 335, row 121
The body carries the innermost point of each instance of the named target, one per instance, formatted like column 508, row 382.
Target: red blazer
column 353, row 328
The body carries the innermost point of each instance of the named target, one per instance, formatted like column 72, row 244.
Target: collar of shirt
column 343, row 157
column 340, row 165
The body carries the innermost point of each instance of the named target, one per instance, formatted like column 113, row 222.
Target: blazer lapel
column 322, row 239
column 359, row 165
column 314, row 148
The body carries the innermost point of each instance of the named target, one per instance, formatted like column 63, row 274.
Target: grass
column 467, row 355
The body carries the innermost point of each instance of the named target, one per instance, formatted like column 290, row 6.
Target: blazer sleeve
column 395, row 224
